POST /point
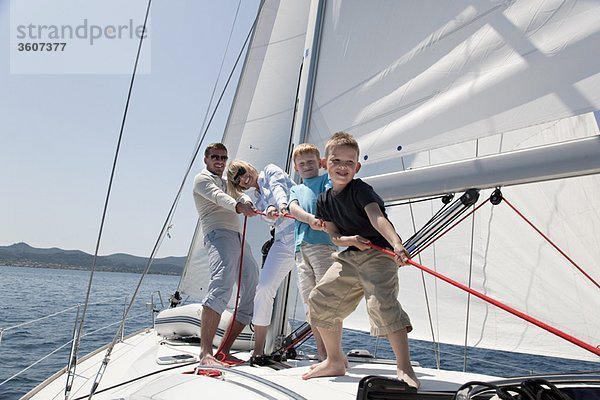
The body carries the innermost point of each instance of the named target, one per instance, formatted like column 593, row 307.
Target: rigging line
column 437, row 351
column 435, row 225
column 441, row 220
column 55, row 351
column 451, row 227
column 35, row 363
column 510, row 367
column 171, row 210
column 440, row 211
column 72, row 366
column 429, row 315
column 198, row 145
column 218, row 78
column 288, row 162
column 551, row 243
column 468, row 310
column 48, row 316
column 199, row 140
column 513, row 311
column 298, row 301
column 403, row 203
column 203, row 136
column 219, row 73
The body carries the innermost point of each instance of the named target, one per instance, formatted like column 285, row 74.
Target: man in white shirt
column 222, row 231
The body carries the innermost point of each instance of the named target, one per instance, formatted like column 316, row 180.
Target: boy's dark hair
column 215, row 146
column 341, row 139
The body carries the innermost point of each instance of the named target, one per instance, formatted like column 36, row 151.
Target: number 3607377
column 42, row 46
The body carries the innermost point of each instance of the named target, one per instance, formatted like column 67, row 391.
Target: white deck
column 137, row 356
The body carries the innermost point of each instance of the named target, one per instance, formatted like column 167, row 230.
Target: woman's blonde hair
column 234, row 188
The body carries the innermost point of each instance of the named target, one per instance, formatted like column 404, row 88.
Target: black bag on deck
column 377, row 387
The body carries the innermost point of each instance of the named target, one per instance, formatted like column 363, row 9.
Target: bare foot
column 316, row 365
column 326, row 368
column 409, row 377
column 345, row 364
column 212, row 361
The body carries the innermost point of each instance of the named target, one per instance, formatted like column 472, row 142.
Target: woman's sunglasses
column 238, row 175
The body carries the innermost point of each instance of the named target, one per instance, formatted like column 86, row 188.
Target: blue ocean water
column 30, row 293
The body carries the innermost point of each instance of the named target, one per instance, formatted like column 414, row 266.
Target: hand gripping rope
column 277, row 214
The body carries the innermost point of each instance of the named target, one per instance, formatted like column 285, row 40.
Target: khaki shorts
column 355, row 274
column 312, row 261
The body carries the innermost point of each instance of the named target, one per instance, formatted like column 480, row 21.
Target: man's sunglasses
column 216, row 157
column 238, row 175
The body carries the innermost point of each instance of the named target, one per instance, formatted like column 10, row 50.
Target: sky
column 60, row 116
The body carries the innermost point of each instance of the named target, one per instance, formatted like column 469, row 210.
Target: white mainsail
column 422, row 75
column 428, row 83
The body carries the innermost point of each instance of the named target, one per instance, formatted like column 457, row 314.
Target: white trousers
column 278, row 264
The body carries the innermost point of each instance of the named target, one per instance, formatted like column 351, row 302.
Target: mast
column 307, row 80
column 300, row 124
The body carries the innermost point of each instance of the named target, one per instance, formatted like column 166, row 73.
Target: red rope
column 503, row 306
column 211, row 373
column 278, row 214
column 237, row 299
column 552, row 243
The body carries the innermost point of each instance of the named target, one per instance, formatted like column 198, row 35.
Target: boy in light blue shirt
column 313, row 246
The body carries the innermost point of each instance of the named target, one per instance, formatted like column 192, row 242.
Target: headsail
column 260, row 122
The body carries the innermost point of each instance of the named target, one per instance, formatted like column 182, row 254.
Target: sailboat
column 493, row 96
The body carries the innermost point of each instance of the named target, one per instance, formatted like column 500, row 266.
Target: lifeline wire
column 72, row 364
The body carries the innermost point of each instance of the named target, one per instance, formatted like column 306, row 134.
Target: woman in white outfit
column 269, row 190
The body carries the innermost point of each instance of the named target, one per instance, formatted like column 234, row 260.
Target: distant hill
column 23, row 255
